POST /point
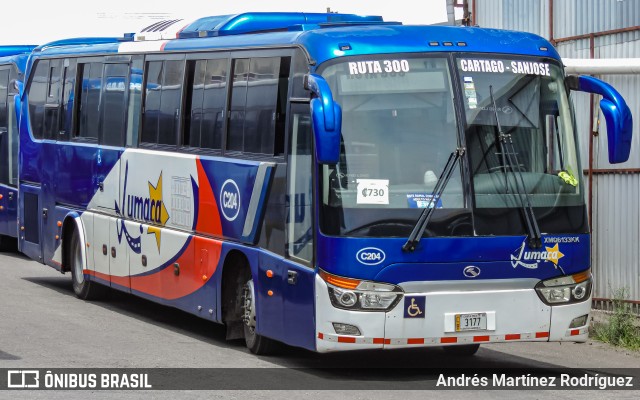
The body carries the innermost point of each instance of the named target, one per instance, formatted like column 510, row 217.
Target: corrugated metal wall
column 616, row 196
column 570, row 17
column 616, row 234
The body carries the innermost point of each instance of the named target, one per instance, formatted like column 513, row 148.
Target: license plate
column 471, row 322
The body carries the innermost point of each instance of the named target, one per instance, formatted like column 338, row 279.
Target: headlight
column 358, row 295
column 565, row 289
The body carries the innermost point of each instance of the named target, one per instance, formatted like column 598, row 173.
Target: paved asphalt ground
column 43, row 325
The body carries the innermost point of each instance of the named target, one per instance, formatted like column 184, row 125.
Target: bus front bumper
column 428, row 318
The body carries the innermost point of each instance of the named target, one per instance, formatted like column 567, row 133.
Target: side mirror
column 327, row 120
column 615, row 111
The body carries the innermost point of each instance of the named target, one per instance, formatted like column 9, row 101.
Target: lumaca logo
column 149, row 209
column 532, row 258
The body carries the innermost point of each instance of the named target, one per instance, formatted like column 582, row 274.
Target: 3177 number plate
column 471, row 322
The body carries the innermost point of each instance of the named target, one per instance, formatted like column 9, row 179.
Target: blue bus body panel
column 13, row 50
column 16, row 56
column 439, row 259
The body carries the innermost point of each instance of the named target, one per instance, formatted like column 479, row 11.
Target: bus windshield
column 399, row 127
column 398, row 130
column 531, row 106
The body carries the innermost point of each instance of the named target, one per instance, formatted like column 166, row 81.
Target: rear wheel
column 462, row 350
column 84, row 289
column 258, row 344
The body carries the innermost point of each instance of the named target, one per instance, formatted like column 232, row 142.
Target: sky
column 53, row 20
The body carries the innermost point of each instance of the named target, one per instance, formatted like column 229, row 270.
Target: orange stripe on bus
column 481, row 338
column 542, row 334
column 449, row 340
column 415, row 341
column 346, row 339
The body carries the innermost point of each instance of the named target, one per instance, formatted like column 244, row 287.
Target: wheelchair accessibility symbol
column 414, row 307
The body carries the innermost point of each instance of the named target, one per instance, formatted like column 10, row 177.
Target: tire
column 256, row 343
column 84, row 289
column 466, row 350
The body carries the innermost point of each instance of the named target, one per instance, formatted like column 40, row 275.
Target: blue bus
column 12, row 63
column 329, row 181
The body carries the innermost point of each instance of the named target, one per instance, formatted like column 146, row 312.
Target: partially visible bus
column 330, row 181
column 13, row 60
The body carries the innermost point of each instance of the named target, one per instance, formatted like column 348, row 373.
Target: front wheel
column 258, row 344
column 462, row 350
column 84, row 289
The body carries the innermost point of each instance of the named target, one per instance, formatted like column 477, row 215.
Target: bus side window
column 10, row 158
column 300, row 66
column 135, row 101
column 113, row 105
column 281, row 105
column 262, row 97
column 66, row 111
column 163, row 102
column 4, row 90
column 168, row 118
column 153, row 85
column 4, row 126
column 300, row 194
column 90, row 75
column 52, row 105
column 204, row 123
column 237, row 104
column 258, row 103
column 38, row 97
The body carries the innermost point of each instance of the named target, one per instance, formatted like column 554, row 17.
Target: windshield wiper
column 425, row 216
column 509, row 155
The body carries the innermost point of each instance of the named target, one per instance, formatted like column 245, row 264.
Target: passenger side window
column 163, row 102
column 68, row 88
column 90, row 75
column 300, row 193
column 52, row 105
column 37, row 98
column 207, row 101
column 114, row 104
column 10, row 144
column 258, row 102
column 4, row 90
column 235, row 137
column 4, row 125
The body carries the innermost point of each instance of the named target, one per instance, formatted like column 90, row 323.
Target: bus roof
column 17, row 55
column 11, row 50
column 324, row 36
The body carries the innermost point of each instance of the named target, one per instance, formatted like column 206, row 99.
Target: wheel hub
column 248, row 305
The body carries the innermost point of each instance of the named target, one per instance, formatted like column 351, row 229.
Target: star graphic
column 160, row 215
column 554, row 254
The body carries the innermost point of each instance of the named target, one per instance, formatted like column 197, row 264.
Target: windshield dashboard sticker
column 372, row 191
column 531, row 259
column 499, row 67
column 423, row 200
column 470, row 92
